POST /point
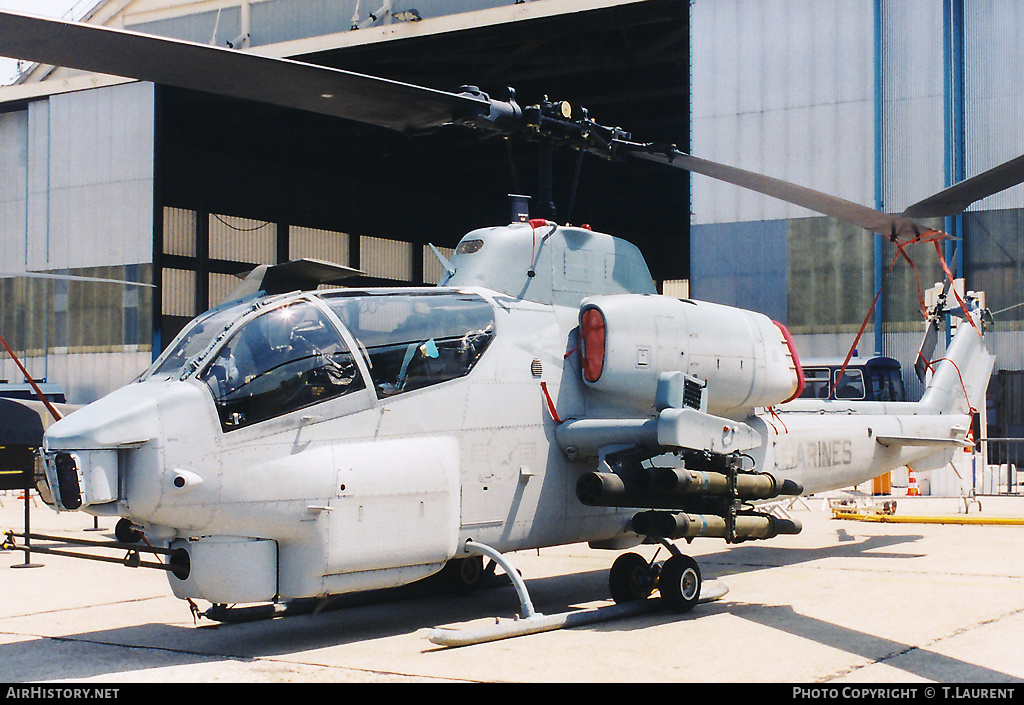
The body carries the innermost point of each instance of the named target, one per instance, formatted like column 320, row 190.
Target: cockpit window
column 193, row 340
column 886, row 384
column 825, row 383
column 416, row 340
column 283, row 360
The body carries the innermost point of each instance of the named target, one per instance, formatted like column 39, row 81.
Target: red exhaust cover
column 796, row 361
column 592, row 338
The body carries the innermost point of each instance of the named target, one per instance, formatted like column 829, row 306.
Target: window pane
column 815, row 384
column 286, row 359
column 885, row 384
column 995, row 261
column 850, row 386
column 416, row 340
column 193, row 340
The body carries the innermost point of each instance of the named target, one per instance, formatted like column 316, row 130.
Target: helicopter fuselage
column 326, row 442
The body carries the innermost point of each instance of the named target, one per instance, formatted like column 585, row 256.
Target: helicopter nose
column 82, row 449
column 126, row 416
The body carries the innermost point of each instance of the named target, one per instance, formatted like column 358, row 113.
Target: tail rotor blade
column 927, row 349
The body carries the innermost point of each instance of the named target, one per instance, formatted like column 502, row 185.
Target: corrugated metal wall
column 789, row 89
column 13, row 189
column 914, row 150
column 994, row 91
column 785, row 89
column 100, row 179
column 193, row 273
column 387, row 259
column 242, row 239
column 956, row 98
column 761, row 287
column 180, row 232
column 76, row 198
column 994, row 106
column 317, row 243
column 178, row 289
column 912, row 96
column 221, row 286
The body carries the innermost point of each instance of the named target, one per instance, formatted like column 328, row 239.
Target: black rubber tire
column 464, row 575
column 680, row 583
column 630, row 578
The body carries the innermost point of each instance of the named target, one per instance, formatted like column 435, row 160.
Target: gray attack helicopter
column 294, row 445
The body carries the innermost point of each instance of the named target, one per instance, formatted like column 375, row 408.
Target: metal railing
column 999, row 467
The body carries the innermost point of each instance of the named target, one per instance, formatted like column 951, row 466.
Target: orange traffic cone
column 912, row 490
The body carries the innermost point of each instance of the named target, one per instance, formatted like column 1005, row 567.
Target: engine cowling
column 634, row 347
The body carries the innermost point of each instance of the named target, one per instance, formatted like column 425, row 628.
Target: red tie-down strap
column 775, row 415
column 931, row 367
column 933, row 236
column 32, row 383
column 550, row 403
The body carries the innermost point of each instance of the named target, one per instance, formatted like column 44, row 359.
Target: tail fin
column 960, row 377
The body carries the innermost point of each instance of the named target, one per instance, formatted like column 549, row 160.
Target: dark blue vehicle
column 873, row 379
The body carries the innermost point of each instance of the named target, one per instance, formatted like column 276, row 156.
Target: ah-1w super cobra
column 303, row 444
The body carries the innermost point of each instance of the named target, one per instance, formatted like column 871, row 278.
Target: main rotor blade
column 862, row 216
column 407, row 107
column 233, row 73
column 956, row 198
column 72, row 277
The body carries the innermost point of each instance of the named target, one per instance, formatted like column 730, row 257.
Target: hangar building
column 120, row 179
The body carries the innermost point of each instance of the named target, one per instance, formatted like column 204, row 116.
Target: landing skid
column 710, row 591
column 533, row 622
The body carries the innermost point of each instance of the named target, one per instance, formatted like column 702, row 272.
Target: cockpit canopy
column 288, row 358
column 416, row 340
column 267, row 358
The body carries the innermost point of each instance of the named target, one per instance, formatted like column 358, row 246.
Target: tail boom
column 830, row 451
column 960, row 377
column 833, row 444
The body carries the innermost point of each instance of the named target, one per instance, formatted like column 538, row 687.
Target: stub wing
column 899, row 441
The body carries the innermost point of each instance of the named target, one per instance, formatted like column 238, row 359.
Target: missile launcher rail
column 701, row 494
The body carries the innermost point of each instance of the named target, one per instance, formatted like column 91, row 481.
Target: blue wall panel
column 741, row 264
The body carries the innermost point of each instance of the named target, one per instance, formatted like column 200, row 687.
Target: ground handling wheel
column 631, row 578
column 464, row 575
column 680, row 583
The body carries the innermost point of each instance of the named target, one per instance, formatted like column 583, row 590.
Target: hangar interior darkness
column 290, row 177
